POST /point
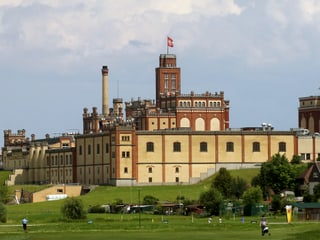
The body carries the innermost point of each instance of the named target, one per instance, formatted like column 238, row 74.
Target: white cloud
column 310, row 9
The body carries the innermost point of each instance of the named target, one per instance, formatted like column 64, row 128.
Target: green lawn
column 45, row 220
column 149, row 227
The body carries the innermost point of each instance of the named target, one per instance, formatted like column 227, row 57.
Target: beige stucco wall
column 70, row 190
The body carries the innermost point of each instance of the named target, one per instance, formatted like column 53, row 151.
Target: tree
column 277, row 175
column 276, row 204
column 3, row 213
column 252, row 195
column 72, row 208
column 316, row 192
column 223, row 182
column 296, row 159
column 4, row 194
column 238, row 187
column 211, row 200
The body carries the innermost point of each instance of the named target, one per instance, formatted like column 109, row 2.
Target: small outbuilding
column 308, row 211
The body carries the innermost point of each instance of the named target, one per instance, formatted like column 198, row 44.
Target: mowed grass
column 45, row 219
column 135, row 226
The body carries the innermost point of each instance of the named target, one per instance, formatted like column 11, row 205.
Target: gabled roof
column 307, row 173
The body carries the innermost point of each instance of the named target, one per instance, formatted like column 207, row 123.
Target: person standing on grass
column 263, row 224
column 24, row 224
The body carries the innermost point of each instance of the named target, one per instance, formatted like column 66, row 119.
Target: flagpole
column 167, row 46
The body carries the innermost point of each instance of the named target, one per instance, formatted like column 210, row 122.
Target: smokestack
column 105, row 105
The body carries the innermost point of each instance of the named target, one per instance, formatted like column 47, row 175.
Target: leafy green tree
column 296, row 159
column 238, row 186
column 72, row 208
column 256, row 180
column 277, row 175
column 4, row 194
column 316, row 192
column 276, row 203
column 3, row 213
column 211, row 200
column 223, row 182
column 150, row 200
column 252, row 195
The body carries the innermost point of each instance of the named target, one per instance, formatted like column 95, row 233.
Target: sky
column 264, row 55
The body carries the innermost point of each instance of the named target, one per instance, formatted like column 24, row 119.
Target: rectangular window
column 166, row 81
column 173, row 81
column 308, row 156
column 150, row 179
column 229, row 147
column 282, row 147
column 256, row 147
column 125, row 170
column 177, row 147
column 89, row 149
column 150, row 170
column 125, row 138
column 177, row 170
column 98, row 148
column 80, row 150
column 203, row 147
column 177, row 179
column 107, row 148
column 150, row 147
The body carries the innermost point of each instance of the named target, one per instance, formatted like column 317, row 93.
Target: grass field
column 45, row 219
column 149, row 227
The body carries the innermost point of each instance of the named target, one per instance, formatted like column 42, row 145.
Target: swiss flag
column 170, row 42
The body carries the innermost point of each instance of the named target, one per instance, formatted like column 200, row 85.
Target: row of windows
column 199, row 104
column 203, row 147
column 173, row 81
column 305, row 156
column 125, row 138
column 55, row 161
column 89, row 149
column 68, row 172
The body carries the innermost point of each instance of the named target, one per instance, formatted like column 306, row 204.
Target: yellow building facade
column 125, row 157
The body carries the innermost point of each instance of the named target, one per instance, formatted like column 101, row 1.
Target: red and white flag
column 170, row 42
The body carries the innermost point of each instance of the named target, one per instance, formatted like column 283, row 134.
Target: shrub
column 3, row 213
column 72, row 208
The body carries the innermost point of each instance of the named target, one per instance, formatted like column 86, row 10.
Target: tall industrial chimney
column 105, row 105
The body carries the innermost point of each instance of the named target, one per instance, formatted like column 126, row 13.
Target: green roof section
column 307, row 205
